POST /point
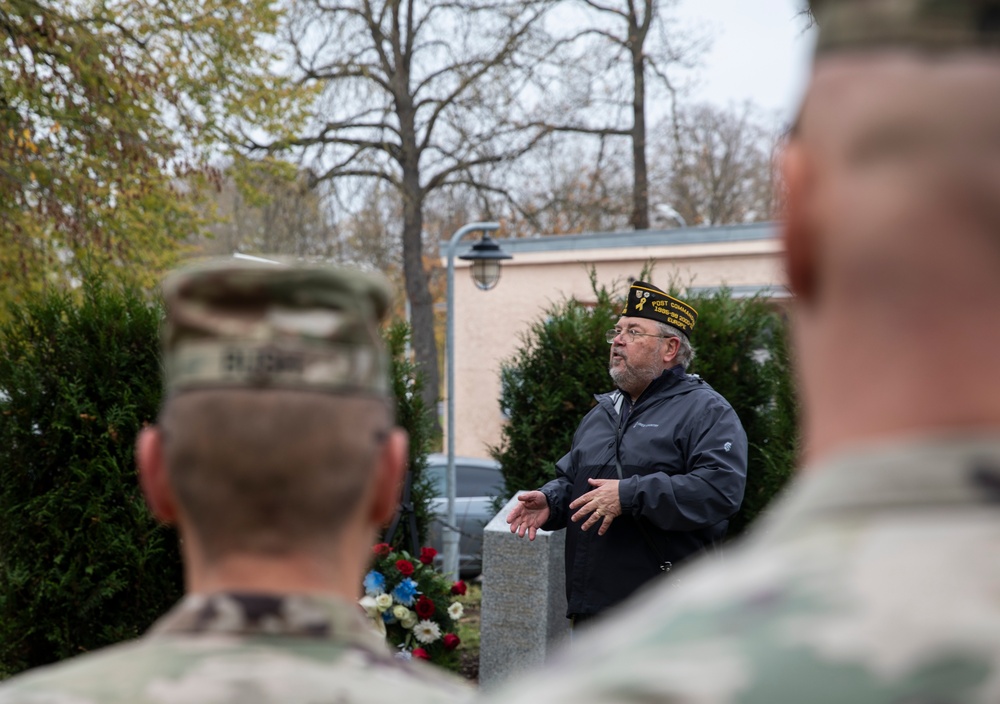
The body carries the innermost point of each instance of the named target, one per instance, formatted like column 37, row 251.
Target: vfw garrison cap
column 647, row 301
column 936, row 25
column 243, row 324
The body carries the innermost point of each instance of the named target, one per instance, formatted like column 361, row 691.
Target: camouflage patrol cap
column 935, row 25
column 246, row 324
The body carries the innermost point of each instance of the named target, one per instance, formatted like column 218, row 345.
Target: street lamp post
column 485, row 256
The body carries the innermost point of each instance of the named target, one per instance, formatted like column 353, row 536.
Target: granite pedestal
column 524, row 599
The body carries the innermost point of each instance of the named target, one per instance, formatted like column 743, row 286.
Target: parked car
column 478, row 481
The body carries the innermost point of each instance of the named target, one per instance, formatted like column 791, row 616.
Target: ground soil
column 469, row 657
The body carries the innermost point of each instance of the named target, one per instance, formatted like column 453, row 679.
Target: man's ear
column 671, row 348
column 391, row 471
column 153, row 475
column 799, row 239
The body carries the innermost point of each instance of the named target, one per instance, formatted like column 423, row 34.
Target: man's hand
column 529, row 515
column 601, row 502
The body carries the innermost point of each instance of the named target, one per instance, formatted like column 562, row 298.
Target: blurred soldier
column 277, row 459
column 877, row 577
column 656, row 468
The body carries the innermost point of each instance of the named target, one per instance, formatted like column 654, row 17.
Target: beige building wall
column 489, row 324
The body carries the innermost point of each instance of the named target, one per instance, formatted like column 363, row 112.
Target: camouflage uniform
column 238, row 649
column 237, row 325
column 876, row 580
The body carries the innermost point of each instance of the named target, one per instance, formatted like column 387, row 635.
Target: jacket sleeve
column 709, row 490
column 557, row 493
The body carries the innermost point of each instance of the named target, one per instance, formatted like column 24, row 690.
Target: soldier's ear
column 153, row 475
column 391, row 470
column 799, row 237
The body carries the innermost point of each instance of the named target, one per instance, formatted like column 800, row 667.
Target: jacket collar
column 669, row 377
column 671, row 382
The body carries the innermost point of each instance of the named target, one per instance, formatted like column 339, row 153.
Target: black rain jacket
column 683, row 453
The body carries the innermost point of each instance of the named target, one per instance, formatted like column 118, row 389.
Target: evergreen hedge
column 82, row 562
column 774, row 452
column 742, row 352
column 411, row 413
column 549, row 385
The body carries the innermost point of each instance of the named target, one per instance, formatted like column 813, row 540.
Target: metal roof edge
column 743, row 291
column 642, row 238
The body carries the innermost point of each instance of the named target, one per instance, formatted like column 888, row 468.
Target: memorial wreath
column 413, row 605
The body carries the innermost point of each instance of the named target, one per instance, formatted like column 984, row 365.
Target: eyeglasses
column 629, row 335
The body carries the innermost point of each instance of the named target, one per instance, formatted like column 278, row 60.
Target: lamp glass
column 485, row 273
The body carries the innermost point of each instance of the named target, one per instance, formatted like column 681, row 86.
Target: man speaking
column 656, row 469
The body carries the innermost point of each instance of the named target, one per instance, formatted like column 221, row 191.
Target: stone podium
column 524, row 599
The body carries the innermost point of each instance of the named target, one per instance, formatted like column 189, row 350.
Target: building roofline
column 769, row 291
column 642, row 238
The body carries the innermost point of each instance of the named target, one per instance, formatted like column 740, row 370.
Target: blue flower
column 405, row 592
column 374, row 583
column 388, row 617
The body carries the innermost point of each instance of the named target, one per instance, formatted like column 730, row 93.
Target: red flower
column 458, row 588
column 424, row 607
column 451, row 641
column 427, row 555
column 382, row 549
column 420, row 654
column 405, row 567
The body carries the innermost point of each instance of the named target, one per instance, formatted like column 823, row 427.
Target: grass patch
column 468, row 632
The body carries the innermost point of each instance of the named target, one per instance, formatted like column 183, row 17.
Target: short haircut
column 685, row 353
column 270, row 471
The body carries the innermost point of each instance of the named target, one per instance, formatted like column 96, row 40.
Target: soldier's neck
column 871, row 383
column 335, row 572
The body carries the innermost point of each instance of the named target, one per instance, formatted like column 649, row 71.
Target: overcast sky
column 760, row 51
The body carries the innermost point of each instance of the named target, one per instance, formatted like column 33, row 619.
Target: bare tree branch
column 609, row 9
column 413, row 100
column 624, row 25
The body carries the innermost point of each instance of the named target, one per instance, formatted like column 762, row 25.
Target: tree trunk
column 417, row 281
column 640, row 185
column 419, row 294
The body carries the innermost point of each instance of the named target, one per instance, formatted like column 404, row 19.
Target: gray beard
column 631, row 380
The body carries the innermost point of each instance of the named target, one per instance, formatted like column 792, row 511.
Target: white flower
column 427, row 631
column 379, row 626
column 401, row 612
column 456, row 610
column 370, row 606
column 383, row 601
column 409, row 621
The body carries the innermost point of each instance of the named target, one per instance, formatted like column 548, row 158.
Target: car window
column 436, row 473
column 477, row 481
